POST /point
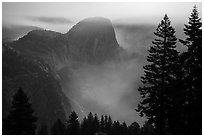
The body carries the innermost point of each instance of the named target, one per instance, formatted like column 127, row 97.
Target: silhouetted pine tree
column 96, row 124
column 159, row 75
column 43, row 130
column 90, row 120
column 20, row 121
column 193, row 72
column 102, row 124
column 84, row 127
column 107, row 124
column 147, row 129
column 176, row 108
column 58, row 128
column 110, row 123
column 124, row 129
column 116, row 128
column 73, row 126
column 134, row 129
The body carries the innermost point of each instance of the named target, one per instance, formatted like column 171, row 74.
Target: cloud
column 51, row 20
column 13, row 32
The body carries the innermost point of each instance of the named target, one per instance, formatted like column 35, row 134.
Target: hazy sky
column 61, row 16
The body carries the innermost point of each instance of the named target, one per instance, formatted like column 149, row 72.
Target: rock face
column 48, row 45
column 44, row 59
column 93, row 40
column 37, row 80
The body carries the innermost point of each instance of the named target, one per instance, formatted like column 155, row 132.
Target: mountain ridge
column 90, row 41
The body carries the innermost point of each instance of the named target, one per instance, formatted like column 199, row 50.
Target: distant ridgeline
column 34, row 62
column 90, row 41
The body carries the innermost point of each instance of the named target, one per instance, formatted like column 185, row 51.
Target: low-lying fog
column 109, row 89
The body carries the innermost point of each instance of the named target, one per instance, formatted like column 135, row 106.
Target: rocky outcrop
column 37, row 80
column 93, row 40
column 40, row 61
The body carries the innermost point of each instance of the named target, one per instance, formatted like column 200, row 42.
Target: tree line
column 172, row 81
column 21, row 121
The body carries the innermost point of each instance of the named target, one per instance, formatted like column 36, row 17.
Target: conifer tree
column 102, row 124
column 192, row 62
column 147, row 129
column 134, row 129
column 90, row 125
column 96, row 124
column 73, row 124
column 105, row 123
column 124, row 129
column 116, row 128
column 159, row 74
column 20, row 121
column 109, row 125
column 84, row 127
